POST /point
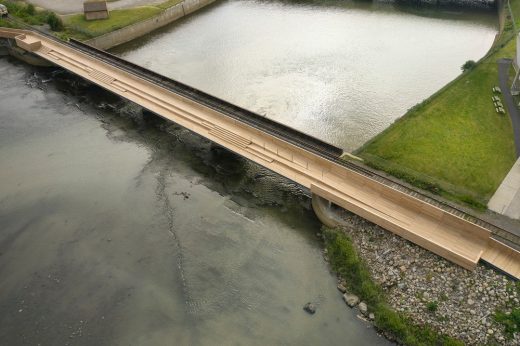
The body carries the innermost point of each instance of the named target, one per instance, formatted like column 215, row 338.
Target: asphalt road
column 76, row 6
column 512, row 109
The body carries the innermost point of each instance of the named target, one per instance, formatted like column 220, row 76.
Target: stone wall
column 144, row 27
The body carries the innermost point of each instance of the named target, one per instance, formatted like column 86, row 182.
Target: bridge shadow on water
column 246, row 183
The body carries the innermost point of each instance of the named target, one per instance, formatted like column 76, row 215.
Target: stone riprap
column 431, row 290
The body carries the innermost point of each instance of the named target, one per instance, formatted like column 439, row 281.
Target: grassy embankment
column 346, row 262
column 75, row 25
column 79, row 28
column 454, row 143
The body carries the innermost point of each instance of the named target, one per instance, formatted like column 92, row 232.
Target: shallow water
column 340, row 71
column 121, row 230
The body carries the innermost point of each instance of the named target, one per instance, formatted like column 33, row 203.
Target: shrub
column 468, row 65
column 30, row 9
column 511, row 322
column 54, row 22
column 432, row 306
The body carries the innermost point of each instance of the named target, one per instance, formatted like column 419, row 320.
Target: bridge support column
column 323, row 210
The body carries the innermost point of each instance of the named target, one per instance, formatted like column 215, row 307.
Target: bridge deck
column 435, row 229
column 503, row 257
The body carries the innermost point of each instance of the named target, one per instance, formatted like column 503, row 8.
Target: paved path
column 503, row 79
column 76, row 6
column 506, row 199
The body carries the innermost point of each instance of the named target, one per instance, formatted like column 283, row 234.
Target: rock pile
column 431, row 290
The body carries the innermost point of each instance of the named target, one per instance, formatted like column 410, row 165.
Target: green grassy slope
column 454, row 143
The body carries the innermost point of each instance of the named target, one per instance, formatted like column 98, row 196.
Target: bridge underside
column 445, row 234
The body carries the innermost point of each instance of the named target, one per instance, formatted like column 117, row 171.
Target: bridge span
column 301, row 158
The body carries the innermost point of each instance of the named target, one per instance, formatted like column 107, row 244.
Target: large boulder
column 363, row 308
column 351, row 299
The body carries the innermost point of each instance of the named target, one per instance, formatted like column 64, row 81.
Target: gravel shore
column 432, row 290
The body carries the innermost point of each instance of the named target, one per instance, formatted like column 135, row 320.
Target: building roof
column 94, row 6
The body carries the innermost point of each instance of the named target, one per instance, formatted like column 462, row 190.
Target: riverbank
column 454, row 143
column 124, row 28
column 416, row 297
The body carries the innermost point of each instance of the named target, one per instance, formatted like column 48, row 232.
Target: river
column 340, row 71
column 119, row 229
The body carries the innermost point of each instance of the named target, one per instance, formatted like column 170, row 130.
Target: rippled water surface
column 339, row 71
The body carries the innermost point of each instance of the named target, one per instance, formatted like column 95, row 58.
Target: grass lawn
column 454, row 143
column 82, row 29
column 118, row 19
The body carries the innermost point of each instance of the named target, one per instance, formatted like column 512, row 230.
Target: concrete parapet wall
column 144, row 27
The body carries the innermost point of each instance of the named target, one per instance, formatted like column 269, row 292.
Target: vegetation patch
column 468, row 66
column 432, row 306
column 28, row 14
column 510, row 321
column 345, row 261
column 453, row 144
column 509, row 316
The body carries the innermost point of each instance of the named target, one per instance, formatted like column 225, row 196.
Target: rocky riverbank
column 432, row 291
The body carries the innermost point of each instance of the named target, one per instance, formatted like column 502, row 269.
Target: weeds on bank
column 345, row 261
column 28, row 14
column 511, row 319
column 82, row 29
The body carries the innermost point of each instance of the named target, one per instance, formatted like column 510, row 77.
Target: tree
column 468, row 65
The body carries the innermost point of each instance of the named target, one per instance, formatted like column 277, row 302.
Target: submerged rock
column 310, row 308
column 342, row 288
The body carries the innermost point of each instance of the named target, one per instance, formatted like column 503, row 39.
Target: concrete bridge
column 299, row 157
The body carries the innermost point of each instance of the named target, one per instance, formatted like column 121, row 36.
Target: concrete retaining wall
column 144, row 27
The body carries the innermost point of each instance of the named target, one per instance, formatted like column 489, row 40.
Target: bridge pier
column 324, row 212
